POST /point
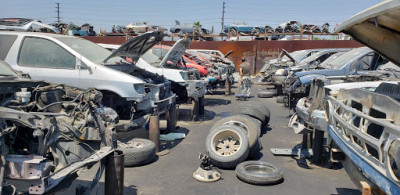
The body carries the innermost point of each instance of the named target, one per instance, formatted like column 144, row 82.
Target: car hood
column 377, row 27
column 176, row 51
column 137, row 46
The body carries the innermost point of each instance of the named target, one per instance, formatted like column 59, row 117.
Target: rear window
column 6, row 41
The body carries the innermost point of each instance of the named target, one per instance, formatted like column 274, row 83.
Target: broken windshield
column 90, row 50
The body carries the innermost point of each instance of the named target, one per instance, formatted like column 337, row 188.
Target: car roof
column 34, row 34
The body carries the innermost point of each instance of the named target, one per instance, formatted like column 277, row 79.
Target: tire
column 280, row 99
column 232, row 32
column 249, row 111
column 266, row 94
column 137, row 151
column 227, row 146
column 250, row 126
column 259, row 173
column 260, row 107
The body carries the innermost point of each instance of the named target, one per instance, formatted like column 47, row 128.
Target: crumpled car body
column 50, row 132
column 364, row 123
column 185, row 82
column 289, row 27
column 24, row 24
column 242, row 27
column 356, row 61
column 284, row 60
column 132, row 91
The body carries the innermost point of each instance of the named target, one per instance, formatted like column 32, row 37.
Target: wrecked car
column 357, row 61
column 133, row 92
column 50, row 133
column 185, row 83
column 289, row 27
column 242, row 27
column 363, row 122
column 28, row 25
column 309, row 63
column 283, row 61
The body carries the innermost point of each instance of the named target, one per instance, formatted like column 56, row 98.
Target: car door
column 44, row 59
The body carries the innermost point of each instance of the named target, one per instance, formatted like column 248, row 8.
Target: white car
column 185, row 82
column 130, row 90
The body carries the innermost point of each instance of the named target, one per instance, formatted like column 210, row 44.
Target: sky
column 103, row 14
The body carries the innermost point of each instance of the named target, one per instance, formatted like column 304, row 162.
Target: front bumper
column 159, row 100
column 196, row 88
column 315, row 120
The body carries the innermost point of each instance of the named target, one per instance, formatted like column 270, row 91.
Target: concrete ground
column 172, row 173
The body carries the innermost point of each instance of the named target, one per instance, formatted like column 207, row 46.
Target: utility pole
column 58, row 13
column 223, row 14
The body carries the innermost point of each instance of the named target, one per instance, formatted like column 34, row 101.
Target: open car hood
column 176, row 51
column 377, row 27
column 137, row 46
column 228, row 54
column 284, row 52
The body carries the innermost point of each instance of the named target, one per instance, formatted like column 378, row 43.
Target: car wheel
column 249, row 111
column 266, row 94
column 232, row 32
column 227, row 146
column 250, row 126
column 137, row 152
column 255, row 31
column 259, row 173
column 280, row 99
column 262, row 107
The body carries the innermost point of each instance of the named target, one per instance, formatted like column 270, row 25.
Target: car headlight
column 280, row 72
column 184, row 75
column 139, row 88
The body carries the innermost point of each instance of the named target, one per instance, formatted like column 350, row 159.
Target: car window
column 363, row 63
column 160, row 52
column 6, row 41
column 43, row 53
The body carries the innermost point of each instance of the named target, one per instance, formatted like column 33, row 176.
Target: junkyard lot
column 172, row 173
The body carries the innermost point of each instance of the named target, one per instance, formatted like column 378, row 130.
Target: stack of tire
column 233, row 139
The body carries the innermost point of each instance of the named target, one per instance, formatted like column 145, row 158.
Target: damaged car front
column 133, row 92
column 185, row 82
column 50, row 133
column 357, row 61
column 364, row 122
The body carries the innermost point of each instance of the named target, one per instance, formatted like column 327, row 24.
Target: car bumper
column 315, row 120
column 196, row 88
column 367, row 169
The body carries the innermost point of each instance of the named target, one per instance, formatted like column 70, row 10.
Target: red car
column 190, row 61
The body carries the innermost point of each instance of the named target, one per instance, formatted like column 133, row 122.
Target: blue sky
column 104, row 13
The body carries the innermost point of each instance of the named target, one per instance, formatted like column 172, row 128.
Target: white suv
column 130, row 90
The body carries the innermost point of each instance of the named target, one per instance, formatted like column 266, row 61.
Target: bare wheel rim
column 226, row 143
column 260, row 169
column 132, row 144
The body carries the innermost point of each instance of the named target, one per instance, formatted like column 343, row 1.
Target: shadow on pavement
column 347, row 191
column 215, row 102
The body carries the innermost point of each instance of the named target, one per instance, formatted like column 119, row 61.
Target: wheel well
column 118, row 103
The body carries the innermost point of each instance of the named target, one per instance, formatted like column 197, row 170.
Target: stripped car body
column 309, row 63
column 184, row 82
column 357, row 61
column 130, row 90
column 50, row 132
column 24, row 24
column 365, row 123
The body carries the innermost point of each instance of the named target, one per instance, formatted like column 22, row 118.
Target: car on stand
column 133, row 92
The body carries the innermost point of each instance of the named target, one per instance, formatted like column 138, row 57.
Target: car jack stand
column 206, row 172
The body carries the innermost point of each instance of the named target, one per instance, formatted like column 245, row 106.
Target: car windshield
column 330, row 59
column 343, row 59
column 312, row 57
column 151, row 58
column 90, row 50
column 5, row 70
